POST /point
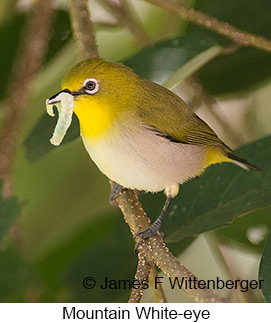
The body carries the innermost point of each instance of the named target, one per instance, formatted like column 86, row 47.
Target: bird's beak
column 55, row 99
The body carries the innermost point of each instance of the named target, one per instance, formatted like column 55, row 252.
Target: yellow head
column 102, row 91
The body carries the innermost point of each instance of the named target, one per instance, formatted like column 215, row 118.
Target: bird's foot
column 147, row 233
column 155, row 227
column 117, row 188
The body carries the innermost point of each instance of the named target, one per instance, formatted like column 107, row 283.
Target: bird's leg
column 117, row 188
column 155, row 227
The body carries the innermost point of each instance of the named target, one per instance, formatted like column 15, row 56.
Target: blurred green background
column 66, row 229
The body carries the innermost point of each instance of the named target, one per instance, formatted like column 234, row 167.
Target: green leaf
column 215, row 199
column 192, row 66
column 247, row 67
column 265, row 270
column 158, row 61
column 222, row 194
column 9, row 209
column 244, row 229
column 241, row 71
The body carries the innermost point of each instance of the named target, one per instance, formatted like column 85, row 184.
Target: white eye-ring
column 91, row 86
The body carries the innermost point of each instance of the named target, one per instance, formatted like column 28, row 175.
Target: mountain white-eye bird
column 140, row 135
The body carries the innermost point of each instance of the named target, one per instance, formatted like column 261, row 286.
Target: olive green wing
column 169, row 116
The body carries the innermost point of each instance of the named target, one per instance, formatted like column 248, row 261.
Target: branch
column 155, row 249
column 142, row 275
column 83, row 29
column 127, row 18
column 146, row 271
column 237, row 35
column 29, row 58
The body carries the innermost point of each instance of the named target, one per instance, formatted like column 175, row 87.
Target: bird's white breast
column 140, row 159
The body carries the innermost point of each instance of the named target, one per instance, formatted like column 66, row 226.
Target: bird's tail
column 243, row 163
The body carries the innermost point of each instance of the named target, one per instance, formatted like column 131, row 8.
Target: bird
column 141, row 135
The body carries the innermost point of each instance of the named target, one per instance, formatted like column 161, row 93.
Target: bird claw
column 147, row 233
column 114, row 193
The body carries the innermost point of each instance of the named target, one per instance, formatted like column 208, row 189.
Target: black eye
column 91, row 86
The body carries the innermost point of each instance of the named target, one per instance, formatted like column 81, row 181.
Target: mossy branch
column 237, row 35
column 83, row 29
